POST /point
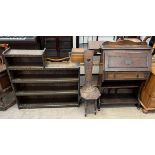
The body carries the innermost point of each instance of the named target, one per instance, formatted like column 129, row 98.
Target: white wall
column 74, row 41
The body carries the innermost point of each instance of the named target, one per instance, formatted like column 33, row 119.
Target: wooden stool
column 89, row 93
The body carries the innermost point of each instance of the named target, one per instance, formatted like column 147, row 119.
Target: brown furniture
column 4, row 79
column 124, row 65
column 77, row 55
column 147, row 94
column 89, row 93
column 21, row 42
column 7, row 98
column 57, row 46
column 38, row 83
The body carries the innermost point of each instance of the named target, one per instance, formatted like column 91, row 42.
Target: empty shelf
column 120, row 86
column 44, row 80
column 22, row 53
column 25, row 67
column 48, row 105
column 118, row 99
column 61, row 65
column 32, row 93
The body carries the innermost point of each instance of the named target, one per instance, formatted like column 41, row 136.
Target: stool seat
column 90, row 93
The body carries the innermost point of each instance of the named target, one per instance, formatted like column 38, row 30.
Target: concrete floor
column 75, row 113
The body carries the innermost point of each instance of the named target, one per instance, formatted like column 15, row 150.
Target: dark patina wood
column 7, row 97
column 89, row 93
column 38, row 83
column 122, row 60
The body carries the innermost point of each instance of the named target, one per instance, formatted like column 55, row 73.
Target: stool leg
column 98, row 104
column 95, row 106
column 85, row 108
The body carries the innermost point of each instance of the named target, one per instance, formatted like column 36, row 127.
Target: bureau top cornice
column 126, row 44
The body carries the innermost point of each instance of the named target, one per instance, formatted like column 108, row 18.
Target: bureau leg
column 144, row 111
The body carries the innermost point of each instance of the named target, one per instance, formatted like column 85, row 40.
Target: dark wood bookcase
column 41, row 84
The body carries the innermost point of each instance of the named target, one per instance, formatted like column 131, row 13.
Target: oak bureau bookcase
column 124, row 65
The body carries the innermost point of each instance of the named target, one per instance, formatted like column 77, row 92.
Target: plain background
column 75, row 18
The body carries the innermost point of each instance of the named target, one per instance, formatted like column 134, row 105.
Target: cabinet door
column 65, row 45
column 127, row 60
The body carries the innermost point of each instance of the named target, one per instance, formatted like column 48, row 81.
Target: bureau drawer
column 127, row 60
column 126, row 75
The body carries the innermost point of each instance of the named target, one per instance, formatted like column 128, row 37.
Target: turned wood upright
column 89, row 93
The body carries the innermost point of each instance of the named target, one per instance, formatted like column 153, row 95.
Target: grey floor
column 75, row 113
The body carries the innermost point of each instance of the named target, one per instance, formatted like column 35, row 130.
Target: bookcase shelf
column 45, row 80
column 38, row 84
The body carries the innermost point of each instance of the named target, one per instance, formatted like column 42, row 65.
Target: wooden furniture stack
column 40, row 84
column 124, row 66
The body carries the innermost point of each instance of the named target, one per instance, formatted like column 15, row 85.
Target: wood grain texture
column 127, row 60
column 147, row 95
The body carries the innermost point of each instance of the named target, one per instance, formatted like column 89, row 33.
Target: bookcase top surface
column 19, row 52
column 62, row 65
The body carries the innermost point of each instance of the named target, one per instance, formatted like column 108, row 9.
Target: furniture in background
column 77, row 55
column 38, row 83
column 124, row 65
column 82, row 41
column 21, row 42
column 147, row 93
column 7, row 98
column 57, row 46
column 132, row 38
